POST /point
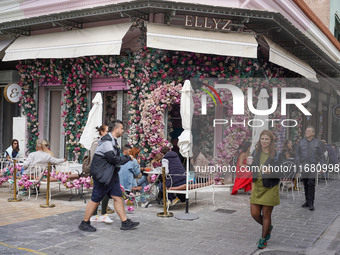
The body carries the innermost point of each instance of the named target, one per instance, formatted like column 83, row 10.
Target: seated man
column 173, row 167
column 40, row 157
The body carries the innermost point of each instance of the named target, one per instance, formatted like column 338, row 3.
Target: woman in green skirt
column 265, row 190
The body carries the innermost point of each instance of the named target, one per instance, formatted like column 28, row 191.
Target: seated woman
column 12, row 152
column 199, row 165
column 46, row 147
column 129, row 172
column 156, row 161
column 173, row 167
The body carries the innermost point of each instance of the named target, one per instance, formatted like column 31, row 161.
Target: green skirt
column 264, row 196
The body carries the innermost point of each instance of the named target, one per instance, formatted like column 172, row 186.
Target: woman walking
column 243, row 178
column 265, row 192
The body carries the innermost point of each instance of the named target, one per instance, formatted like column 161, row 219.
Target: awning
column 182, row 39
column 284, row 58
column 105, row 40
column 4, row 42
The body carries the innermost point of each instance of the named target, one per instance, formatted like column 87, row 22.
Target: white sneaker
column 105, row 218
column 95, row 218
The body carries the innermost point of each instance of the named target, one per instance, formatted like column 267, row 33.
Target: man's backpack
column 86, row 165
column 87, row 160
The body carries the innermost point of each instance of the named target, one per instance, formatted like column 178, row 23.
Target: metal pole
column 187, row 215
column 48, row 189
column 165, row 213
column 187, row 189
column 15, row 199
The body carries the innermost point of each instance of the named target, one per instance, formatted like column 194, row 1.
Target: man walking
column 104, row 170
column 308, row 154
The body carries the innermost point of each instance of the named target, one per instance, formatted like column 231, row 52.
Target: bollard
column 165, row 212
column 48, row 189
column 15, row 199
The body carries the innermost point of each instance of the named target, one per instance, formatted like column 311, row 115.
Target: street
column 223, row 228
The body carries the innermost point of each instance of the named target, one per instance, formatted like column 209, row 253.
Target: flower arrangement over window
column 7, row 173
column 152, row 116
column 153, row 77
column 24, row 182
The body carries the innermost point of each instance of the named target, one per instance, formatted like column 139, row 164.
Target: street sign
column 13, row 92
column 336, row 111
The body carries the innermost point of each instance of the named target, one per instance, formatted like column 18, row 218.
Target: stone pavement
column 223, row 228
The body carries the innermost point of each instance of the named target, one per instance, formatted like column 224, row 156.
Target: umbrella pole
column 187, row 189
column 187, row 215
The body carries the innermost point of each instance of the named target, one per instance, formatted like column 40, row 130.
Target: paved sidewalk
column 223, row 228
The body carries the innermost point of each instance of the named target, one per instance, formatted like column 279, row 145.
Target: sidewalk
column 226, row 228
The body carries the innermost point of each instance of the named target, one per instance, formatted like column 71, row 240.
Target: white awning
column 284, row 58
column 105, row 40
column 182, row 39
column 4, row 42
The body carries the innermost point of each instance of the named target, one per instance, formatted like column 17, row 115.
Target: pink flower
column 131, row 209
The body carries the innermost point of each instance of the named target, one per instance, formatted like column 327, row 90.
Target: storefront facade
column 8, row 109
column 158, row 47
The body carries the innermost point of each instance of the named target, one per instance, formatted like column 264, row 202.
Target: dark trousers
column 309, row 185
column 105, row 203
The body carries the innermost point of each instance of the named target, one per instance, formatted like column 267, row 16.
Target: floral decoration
column 152, row 116
column 153, row 77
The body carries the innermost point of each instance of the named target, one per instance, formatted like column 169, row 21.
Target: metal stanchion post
column 15, row 199
column 48, row 189
column 165, row 213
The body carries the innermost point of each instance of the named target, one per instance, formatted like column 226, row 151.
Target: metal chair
column 288, row 177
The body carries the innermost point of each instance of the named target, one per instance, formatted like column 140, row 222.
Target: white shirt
column 42, row 158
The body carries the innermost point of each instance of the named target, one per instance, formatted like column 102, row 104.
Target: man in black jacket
column 105, row 165
column 308, row 154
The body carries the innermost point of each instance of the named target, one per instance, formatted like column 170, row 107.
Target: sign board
column 336, row 111
column 13, row 92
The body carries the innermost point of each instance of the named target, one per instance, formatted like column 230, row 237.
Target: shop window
column 108, row 84
column 337, row 27
column 115, row 98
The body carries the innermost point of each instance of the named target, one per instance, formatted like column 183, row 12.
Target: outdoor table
column 156, row 171
column 72, row 168
column 69, row 167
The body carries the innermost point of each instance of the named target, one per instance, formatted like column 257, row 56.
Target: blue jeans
column 142, row 182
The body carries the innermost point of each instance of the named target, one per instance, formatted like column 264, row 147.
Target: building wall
column 334, row 8
column 321, row 9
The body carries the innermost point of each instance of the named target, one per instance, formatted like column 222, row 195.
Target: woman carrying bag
column 265, row 190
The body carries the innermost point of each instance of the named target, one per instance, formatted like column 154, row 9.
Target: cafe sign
column 336, row 111
column 207, row 23
column 12, row 93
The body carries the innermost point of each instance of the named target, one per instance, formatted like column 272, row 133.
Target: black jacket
column 106, row 161
column 176, row 170
column 309, row 152
column 268, row 180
